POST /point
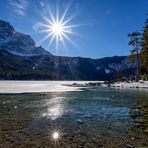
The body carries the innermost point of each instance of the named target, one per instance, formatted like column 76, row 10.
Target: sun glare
column 55, row 135
column 58, row 28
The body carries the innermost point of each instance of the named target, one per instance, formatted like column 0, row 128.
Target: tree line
column 139, row 52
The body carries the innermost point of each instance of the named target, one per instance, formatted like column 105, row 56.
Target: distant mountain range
column 21, row 59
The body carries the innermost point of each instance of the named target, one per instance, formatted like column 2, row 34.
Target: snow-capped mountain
column 18, row 43
column 16, row 63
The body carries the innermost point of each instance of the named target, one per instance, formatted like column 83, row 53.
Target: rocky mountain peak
column 18, row 43
column 5, row 27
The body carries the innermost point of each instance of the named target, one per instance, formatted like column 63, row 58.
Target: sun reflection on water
column 55, row 107
column 56, row 134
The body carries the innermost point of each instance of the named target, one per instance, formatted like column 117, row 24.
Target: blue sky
column 102, row 28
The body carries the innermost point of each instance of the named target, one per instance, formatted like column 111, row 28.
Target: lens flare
column 58, row 28
column 55, row 135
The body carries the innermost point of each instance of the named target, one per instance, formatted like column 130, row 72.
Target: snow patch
column 139, row 84
column 98, row 68
column 22, row 54
column 107, row 71
column 124, row 64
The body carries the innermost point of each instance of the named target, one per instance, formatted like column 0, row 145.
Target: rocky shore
column 129, row 84
column 140, row 84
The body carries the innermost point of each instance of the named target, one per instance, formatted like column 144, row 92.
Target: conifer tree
column 135, row 41
column 144, row 54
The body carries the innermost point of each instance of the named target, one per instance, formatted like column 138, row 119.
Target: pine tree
column 144, row 58
column 135, row 41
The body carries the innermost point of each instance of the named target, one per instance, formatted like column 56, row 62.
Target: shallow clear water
column 92, row 117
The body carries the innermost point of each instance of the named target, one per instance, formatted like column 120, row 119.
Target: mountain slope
column 18, row 43
column 45, row 67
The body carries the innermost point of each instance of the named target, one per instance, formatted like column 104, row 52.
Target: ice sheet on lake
column 37, row 86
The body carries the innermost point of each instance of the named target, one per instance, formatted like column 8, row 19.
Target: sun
column 58, row 28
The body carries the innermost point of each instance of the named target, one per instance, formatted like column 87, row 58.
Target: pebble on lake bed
column 107, row 98
column 129, row 146
column 15, row 107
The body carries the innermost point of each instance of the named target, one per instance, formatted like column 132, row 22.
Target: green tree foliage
column 144, row 53
column 135, row 42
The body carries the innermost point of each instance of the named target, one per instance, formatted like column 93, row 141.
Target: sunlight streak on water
column 55, row 107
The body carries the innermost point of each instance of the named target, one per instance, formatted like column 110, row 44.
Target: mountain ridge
column 18, row 43
column 21, row 59
column 45, row 67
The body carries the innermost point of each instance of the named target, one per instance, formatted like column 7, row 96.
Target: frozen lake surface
column 37, row 86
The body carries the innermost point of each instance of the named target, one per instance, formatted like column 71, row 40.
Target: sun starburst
column 58, row 28
column 56, row 135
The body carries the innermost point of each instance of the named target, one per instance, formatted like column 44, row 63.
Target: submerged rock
column 79, row 121
column 137, row 124
column 136, row 113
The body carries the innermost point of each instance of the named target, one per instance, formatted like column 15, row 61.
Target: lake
column 47, row 114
